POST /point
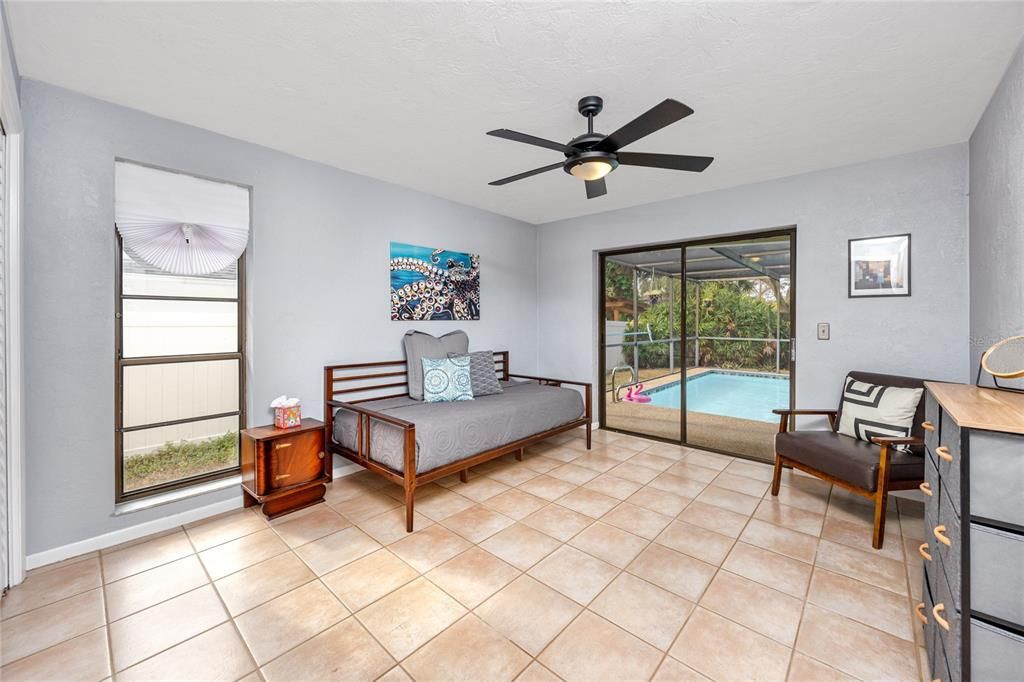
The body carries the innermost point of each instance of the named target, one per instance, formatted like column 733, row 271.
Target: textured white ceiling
column 404, row 92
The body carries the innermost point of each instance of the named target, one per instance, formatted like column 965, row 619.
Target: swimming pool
column 731, row 394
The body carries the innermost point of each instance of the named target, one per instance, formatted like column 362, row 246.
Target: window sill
column 176, row 495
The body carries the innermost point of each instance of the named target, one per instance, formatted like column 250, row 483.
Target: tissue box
column 288, row 417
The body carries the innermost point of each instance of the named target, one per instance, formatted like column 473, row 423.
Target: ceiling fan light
column 591, row 170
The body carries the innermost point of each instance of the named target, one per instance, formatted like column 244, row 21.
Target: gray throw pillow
column 481, row 370
column 419, row 345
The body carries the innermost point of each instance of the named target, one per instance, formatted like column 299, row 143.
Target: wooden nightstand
column 285, row 469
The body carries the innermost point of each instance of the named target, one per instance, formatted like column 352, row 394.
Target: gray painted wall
column 318, row 289
column 921, row 335
column 997, row 216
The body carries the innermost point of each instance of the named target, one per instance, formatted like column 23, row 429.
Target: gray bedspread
column 448, row 432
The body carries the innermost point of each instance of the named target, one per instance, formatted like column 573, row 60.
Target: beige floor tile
column 364, row 581
column 515, row 504
column 613, row 486
column 365, row 506
column 697, row 542
column 755, row 606
column 677, row 485
column 469, row 648
column 145, row 589
column 410, row 616
column 575, row 574
column 547, row 487
column 742, row 484
column 67, row 562
column 634, row 443
column 856, row 509
column 659, row 501
column 571, row 473
column 273, row 628
column 591, row 648
column 541, row 464
column 673, row 571
column 693, row 472
column 672, row 670
column 557, row 521
column 564, row 453
column 768, row 568
column 85, row 657
column 231, row 526
column 726, row 651
column 728, row 499
column 773, row 511
column 814, row 500
column 610, row 544
column 710, row 517
column 217, row 654
column 40, row 589
column 347, row 487
column 41, row 628
column 237, row 554
column 637, row 520
column 267, row 580
column 806, row 669
column 513, row 475
column 473, row 576
column 336, row 550
column 396, row 674
column 588, row 502
column 761, row 472
column 143, row 634
column 535, row 672
column 390, row 526
column 642, row 609
column 870, row 605
column 343, row 651
column 858, row 536
column 442, row 505
column 430, row 547
column 520, row 545
column 320, row 521
column 651, row 461
column 794, row 478
column 633, row 472
column 478, row 523
column 709, row 460
column 480, row 489
column 597, row 461
column 854, row 648
column 143, row 556
column 673, row 452
column 780, row 540
column 529, row 613
column 864, row 566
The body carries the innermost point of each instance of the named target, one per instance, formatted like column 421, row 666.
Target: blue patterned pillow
column 447, row 379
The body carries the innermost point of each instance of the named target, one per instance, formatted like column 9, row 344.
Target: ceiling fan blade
column 670, row 161
column 654, row 119
column 520, row 176
column 596, row 188
column 529, row 139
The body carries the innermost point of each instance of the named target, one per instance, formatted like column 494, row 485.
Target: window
column 180, row 342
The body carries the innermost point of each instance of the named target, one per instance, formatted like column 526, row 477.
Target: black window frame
column 121, row 363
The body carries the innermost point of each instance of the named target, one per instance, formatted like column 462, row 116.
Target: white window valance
column 179, row 223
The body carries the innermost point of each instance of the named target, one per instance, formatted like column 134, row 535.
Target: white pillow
column 871, row 410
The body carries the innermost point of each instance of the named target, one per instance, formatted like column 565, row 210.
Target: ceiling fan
column 592, row 156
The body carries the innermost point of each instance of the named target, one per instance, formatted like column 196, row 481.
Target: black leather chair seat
column 847, row 458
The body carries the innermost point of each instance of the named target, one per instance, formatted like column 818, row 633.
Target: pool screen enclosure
column 696, row 340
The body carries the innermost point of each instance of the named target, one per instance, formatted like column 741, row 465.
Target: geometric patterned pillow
column 871, row 410
column 482, row 374
column 447, row 379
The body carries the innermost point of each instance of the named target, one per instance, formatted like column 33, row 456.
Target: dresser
column 972, row 607
column 284, row 469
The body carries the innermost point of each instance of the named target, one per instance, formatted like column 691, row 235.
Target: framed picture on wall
column 880, row 266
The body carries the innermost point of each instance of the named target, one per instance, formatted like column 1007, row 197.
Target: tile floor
column 634, row 560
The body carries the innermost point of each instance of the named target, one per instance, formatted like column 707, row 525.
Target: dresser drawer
column 996, row 654
column 948, row 555
column 931, row 502
column 292, row 460
column 933, row 419
column 947, row 625
column 997, row 476
column 997, row 574
column 948, row 456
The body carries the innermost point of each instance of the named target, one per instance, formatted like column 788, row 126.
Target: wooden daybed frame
column 358, row 385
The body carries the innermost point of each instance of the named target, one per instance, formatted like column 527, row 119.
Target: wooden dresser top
column 980, row 408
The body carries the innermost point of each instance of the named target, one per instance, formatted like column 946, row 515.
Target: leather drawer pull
column 919, row 612
column 939, row 533
column 926, row 488
column 927, row 426
column 943, row 623
column 923, row 551
column 281, row 446
column 943, row 452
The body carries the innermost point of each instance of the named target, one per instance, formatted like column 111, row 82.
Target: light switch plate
column 823, row 331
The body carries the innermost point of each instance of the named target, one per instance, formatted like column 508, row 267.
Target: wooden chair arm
column 786, row 414
column 885, row 440
column 394, row 421
column 803, row 412
column 549, row 380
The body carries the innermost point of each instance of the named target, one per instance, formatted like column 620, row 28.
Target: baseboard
column 128, row 534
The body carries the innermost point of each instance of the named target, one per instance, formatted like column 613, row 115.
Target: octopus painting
column 434, row 284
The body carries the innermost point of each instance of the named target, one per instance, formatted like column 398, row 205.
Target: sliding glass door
column 696, row 341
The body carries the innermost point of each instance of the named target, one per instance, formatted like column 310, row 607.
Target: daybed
column 411, row 442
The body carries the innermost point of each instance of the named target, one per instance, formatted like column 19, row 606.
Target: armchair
column 870, row 470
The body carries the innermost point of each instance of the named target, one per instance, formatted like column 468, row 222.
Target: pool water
column 730, row 394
